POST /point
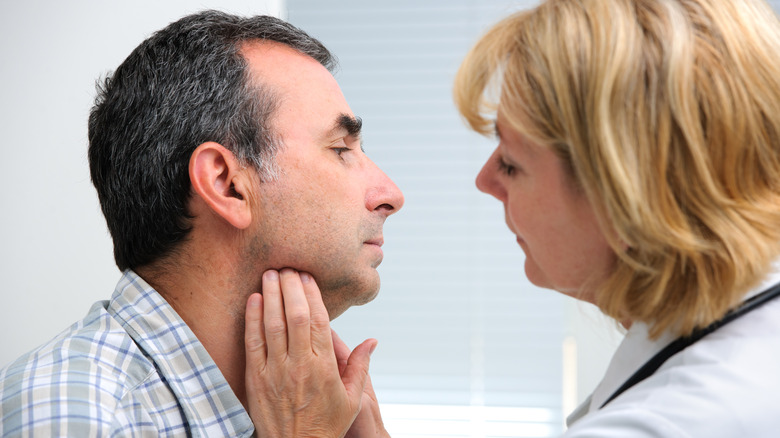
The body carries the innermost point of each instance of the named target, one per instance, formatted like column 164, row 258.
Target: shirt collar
column 207, row 401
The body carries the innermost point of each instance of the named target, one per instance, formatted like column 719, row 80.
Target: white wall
column 55, row 253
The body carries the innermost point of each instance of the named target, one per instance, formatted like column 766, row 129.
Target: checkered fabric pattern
column 132, row 367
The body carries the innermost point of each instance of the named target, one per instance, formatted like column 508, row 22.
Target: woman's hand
column 295, row 386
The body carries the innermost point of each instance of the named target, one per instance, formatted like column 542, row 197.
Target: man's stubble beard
column 339, row 292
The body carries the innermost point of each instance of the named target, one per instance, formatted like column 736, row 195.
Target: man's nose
column 383, row 195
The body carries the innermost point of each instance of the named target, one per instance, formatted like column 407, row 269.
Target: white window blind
column 467, row 347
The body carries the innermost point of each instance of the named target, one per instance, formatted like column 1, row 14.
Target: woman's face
column 552, row 218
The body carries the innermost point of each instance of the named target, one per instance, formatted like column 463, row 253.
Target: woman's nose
column 487, row 179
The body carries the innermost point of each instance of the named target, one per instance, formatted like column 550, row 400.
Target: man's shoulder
column 95, row 348
column 84, row 372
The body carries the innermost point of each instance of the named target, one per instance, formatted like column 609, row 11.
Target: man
column 222, row 147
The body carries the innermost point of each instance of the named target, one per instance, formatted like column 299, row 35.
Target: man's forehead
column 277, row 62
column 310, row 100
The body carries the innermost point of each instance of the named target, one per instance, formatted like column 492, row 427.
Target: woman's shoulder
column 726, row 384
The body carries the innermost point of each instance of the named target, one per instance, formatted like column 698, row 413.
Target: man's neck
column 212, row 306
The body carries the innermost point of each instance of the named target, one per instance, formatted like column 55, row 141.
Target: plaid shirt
column 132, row 367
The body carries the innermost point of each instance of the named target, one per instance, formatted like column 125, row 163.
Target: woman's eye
column 506, row 168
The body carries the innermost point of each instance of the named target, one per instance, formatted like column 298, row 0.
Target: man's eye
column 340, row 151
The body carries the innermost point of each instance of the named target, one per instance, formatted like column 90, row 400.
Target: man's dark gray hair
column 186, row 85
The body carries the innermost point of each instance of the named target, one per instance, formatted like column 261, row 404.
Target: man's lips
column 376, row 241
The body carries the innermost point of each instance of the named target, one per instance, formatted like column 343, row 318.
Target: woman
column 639, row 166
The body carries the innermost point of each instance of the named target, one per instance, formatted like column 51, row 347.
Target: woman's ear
column 220, row 180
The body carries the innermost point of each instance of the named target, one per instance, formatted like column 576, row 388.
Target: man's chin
column 348, row 294
column 367, row 297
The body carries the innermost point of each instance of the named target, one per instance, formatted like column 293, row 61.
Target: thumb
column 356, row 372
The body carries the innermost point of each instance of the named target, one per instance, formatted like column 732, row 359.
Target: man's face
column 324, row 214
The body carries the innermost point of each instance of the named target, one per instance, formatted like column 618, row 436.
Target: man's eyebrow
column 351, row 124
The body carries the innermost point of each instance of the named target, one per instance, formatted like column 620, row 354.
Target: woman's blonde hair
column 667, row 112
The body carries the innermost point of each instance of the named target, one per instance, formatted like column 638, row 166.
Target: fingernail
column 271, row 275
column 371, row 351
column 305, row 278
column 254, row 300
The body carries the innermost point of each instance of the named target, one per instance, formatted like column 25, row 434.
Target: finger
column 296, row 310
column 254, row 338
column 273, row 317
column 356, row 372
column 321, row 339
column 342, row 352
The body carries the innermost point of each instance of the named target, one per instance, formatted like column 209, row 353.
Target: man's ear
column 220, row 180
